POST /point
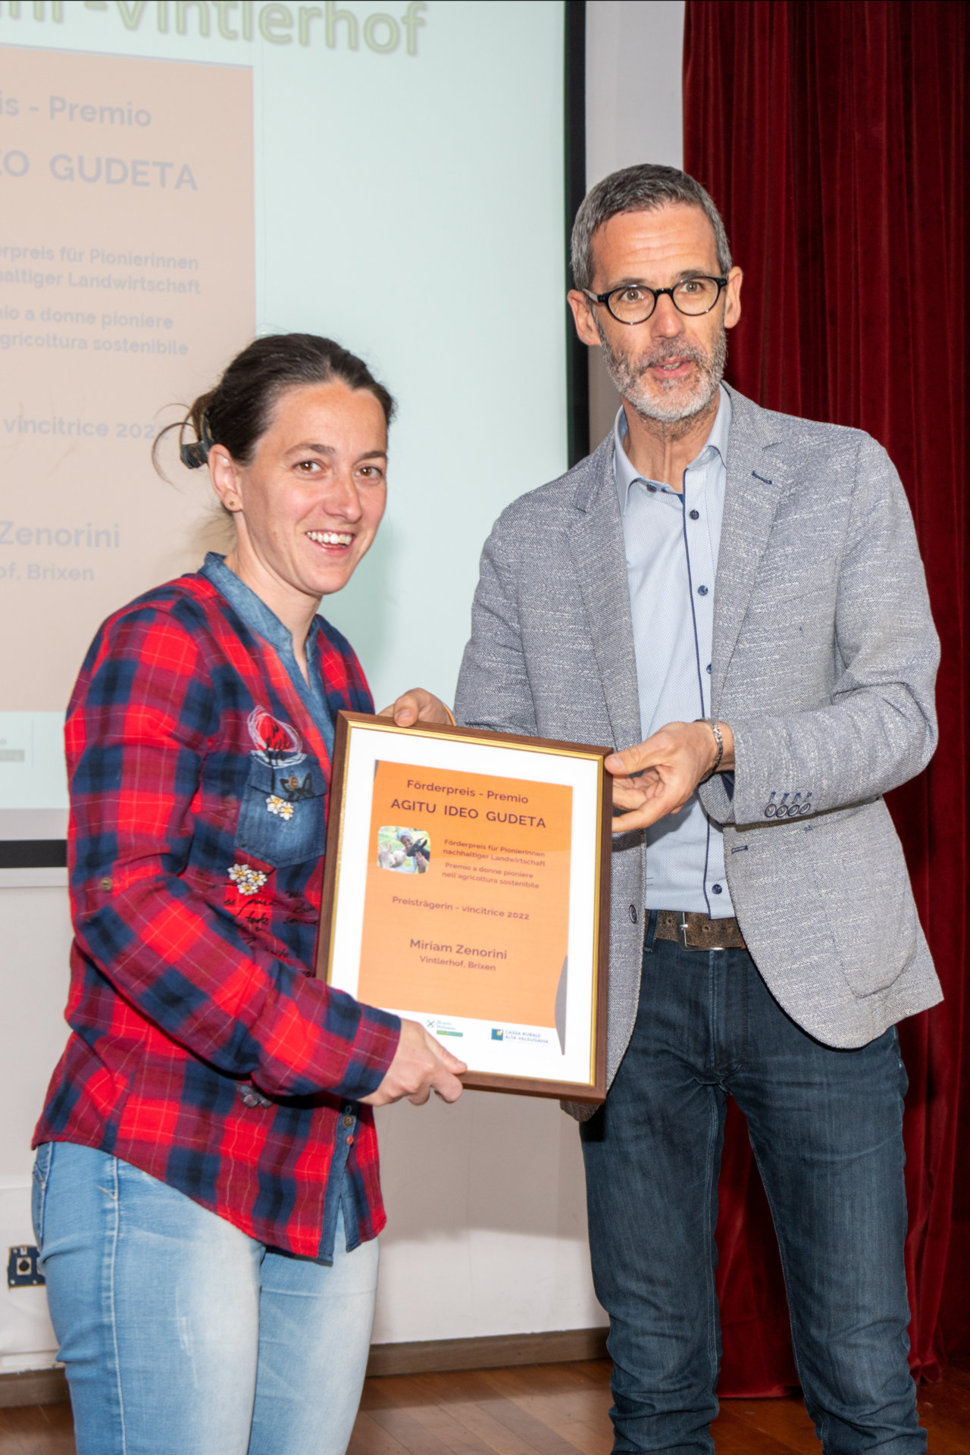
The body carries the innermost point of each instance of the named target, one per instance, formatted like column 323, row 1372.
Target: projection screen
column 176, row 177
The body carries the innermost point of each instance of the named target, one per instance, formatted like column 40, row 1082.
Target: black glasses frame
column 656, row 293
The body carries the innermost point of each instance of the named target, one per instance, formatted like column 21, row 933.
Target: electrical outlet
column 22, row 1269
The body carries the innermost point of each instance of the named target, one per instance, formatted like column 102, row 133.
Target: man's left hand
column 660, row 775
column 417, row 705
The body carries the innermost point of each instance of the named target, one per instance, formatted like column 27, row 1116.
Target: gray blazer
column 824, row 659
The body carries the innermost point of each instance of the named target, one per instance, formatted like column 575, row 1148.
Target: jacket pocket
column 864, row 892
column 282, row 816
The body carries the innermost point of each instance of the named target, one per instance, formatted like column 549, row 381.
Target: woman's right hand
column 420, row 1065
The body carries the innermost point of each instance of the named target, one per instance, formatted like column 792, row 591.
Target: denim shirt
column 257, row 615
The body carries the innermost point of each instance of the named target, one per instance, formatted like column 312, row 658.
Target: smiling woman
column 308, row 505
column 206, row 1189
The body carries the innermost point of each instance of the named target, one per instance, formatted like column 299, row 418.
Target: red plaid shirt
column 202, row 1050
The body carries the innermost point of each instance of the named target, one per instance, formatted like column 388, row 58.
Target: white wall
column 485, row 1199
column 34, row 937
column 633, row 114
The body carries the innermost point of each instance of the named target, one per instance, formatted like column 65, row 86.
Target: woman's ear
column 225, row 478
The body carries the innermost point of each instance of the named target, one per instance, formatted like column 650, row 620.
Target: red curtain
column 833, row 136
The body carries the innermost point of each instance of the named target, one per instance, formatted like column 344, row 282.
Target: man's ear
column 732, row 293
column 583, row 318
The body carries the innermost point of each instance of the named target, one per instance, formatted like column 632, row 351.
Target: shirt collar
column 253, row 610
column 625, row 473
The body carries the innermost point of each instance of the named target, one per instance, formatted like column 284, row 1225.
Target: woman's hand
column 420, row 1065
column 417, row 705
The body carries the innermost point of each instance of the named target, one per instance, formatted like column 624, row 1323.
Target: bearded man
column 734, row 600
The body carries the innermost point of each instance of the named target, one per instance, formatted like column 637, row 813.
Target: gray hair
column 639, row 189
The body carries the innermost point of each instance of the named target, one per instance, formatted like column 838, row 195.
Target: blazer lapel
column 596, row 541
column 756, row 476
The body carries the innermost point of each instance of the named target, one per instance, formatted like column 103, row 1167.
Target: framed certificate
column 466, row 886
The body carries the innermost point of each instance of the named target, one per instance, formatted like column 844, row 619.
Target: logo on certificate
column 441, row 1028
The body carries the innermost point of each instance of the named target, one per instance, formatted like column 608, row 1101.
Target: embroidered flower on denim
column 247, row 879
column 280, row 807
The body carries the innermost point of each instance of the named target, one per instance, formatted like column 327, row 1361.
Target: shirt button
column 695, row 515
column 652, row 489
column 702, row 590
column 708, row 669
column 348, row 1121
column 716, row 889
column 632, row 912
column 350, row 1141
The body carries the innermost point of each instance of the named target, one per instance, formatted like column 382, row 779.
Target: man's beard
column 684, row 401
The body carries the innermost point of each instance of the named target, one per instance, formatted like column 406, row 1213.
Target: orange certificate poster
column 466, row 910
column 465, row 890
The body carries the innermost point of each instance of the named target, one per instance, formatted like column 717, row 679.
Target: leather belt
column 698, row 931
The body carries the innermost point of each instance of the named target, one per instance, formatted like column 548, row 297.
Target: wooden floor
column 546, row 1409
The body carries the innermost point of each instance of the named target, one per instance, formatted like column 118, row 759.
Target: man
column 739, row 607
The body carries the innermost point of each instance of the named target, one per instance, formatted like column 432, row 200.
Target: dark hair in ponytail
column 237, row 411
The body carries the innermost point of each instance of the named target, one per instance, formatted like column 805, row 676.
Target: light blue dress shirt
column 671, row 542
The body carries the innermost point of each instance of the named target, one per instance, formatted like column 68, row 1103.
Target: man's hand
column 417, row 705
column 421, row 1065
column 659, row 776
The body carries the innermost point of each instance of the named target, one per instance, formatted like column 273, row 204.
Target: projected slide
column 112, row 280
column 111, row 270
column 175, row 178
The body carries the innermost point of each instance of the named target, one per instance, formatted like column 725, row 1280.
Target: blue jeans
column 826, row 1130
column 183, row 1336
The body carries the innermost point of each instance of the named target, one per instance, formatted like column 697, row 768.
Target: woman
column 206, row 1186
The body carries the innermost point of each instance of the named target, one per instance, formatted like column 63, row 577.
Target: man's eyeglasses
column 634, row 302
